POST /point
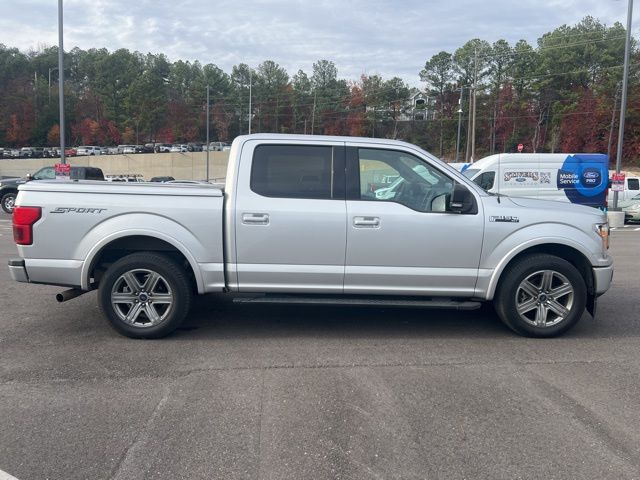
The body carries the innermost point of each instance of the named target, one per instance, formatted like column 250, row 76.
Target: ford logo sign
column 591, row 174
column 521, row 179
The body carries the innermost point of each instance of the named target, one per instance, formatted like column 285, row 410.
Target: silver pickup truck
column 298, row 220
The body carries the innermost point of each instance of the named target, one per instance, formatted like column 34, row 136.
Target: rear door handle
column 255, row 218
column 366, row 222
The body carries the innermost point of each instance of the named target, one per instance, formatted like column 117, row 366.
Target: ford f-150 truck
column 298, row 220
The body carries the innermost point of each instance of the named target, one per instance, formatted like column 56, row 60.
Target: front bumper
column 602, row 277
column 18, row 271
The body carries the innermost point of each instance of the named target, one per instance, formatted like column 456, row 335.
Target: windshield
column 470, row 172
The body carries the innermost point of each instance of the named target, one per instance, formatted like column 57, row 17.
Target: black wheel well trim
column 127, row 245
column 566, row 252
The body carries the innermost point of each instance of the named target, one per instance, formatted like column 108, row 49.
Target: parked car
column 630, row 189
column 179, row 148
column 51, row 152
column 163, row 148
column 113, row 151
column 149, row 148
column 217, row 146
column 70, row 152
column 9, row 186
column 125, row 177
column 88, row 150
column 161, row 179
column 126, row 149
column 631, row 209
column 296, row 224
column 30, row 152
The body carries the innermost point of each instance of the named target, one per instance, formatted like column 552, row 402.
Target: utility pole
column 61, row 80
column 623, row 102
column 473, row 121
column 207, row 169
column 50, row 70
column 250, row 115
column 313, row 113
column 459, row 122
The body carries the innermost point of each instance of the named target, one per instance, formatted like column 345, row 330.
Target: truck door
column 406, row 241
column 290, row 217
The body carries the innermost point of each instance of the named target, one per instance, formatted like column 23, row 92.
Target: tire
column 145, row 295
column 8, row 201
column 541, row 296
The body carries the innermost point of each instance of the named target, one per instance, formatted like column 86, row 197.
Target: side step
column 445, row 303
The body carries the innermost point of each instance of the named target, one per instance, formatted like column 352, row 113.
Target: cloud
column 361, row 36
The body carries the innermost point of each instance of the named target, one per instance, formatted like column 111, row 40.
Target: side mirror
column 462, row 200
column 29, row 177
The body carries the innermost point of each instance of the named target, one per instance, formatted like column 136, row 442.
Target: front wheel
column 8, row 201
column 145, row 295
column 541, row 296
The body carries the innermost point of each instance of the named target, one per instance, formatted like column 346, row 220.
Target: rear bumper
column 17, row 270
column 47, row 271
column 602, row 277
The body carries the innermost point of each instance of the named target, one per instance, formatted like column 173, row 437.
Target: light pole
column 623, row 102
column 207, row 169
column 61, row 80
column 459, row 122
column 250, row 114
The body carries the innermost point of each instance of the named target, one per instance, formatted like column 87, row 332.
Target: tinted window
column 292, row 171
column 485, row 181
column 634, row 184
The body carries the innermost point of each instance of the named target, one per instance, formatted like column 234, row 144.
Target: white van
column 580, row 178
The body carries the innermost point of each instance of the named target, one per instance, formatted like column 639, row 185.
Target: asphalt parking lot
column 291, row 392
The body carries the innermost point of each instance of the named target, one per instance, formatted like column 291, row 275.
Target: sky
column 385, row 37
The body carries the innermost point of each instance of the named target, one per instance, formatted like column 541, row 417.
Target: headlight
column 602, row 229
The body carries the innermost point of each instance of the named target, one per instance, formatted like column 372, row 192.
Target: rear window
column 292, row 171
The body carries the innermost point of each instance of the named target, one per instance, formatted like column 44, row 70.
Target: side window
column 417, row 185
column 45, row 173
column 486, row 180
column 634, row 184
column 293, row 171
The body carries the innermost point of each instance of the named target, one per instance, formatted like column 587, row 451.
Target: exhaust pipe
column 69, row 294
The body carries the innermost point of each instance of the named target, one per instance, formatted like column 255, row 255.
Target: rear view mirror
column 462, row 200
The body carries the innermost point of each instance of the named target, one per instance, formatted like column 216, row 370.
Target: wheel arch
column 119, row 245
column 561, row 250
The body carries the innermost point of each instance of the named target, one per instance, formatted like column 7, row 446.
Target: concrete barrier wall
column 181, row 166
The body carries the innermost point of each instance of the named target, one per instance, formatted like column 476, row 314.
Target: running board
column 364, row 302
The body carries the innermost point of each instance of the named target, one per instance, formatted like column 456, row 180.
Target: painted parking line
column 6, row 476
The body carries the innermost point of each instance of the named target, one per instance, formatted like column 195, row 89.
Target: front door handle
column 255, row 218
column 366, row 222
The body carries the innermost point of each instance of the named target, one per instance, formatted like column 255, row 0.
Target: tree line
column 561, row 95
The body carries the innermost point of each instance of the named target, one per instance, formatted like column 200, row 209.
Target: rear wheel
column 145, row 295
column 541, row 296
column 8, row 201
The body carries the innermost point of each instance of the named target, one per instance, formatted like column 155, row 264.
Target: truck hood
column 562, row 208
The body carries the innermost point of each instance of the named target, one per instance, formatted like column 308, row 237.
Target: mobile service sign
column 584, row 178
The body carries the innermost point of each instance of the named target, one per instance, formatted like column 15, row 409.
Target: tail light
column 23, row 220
